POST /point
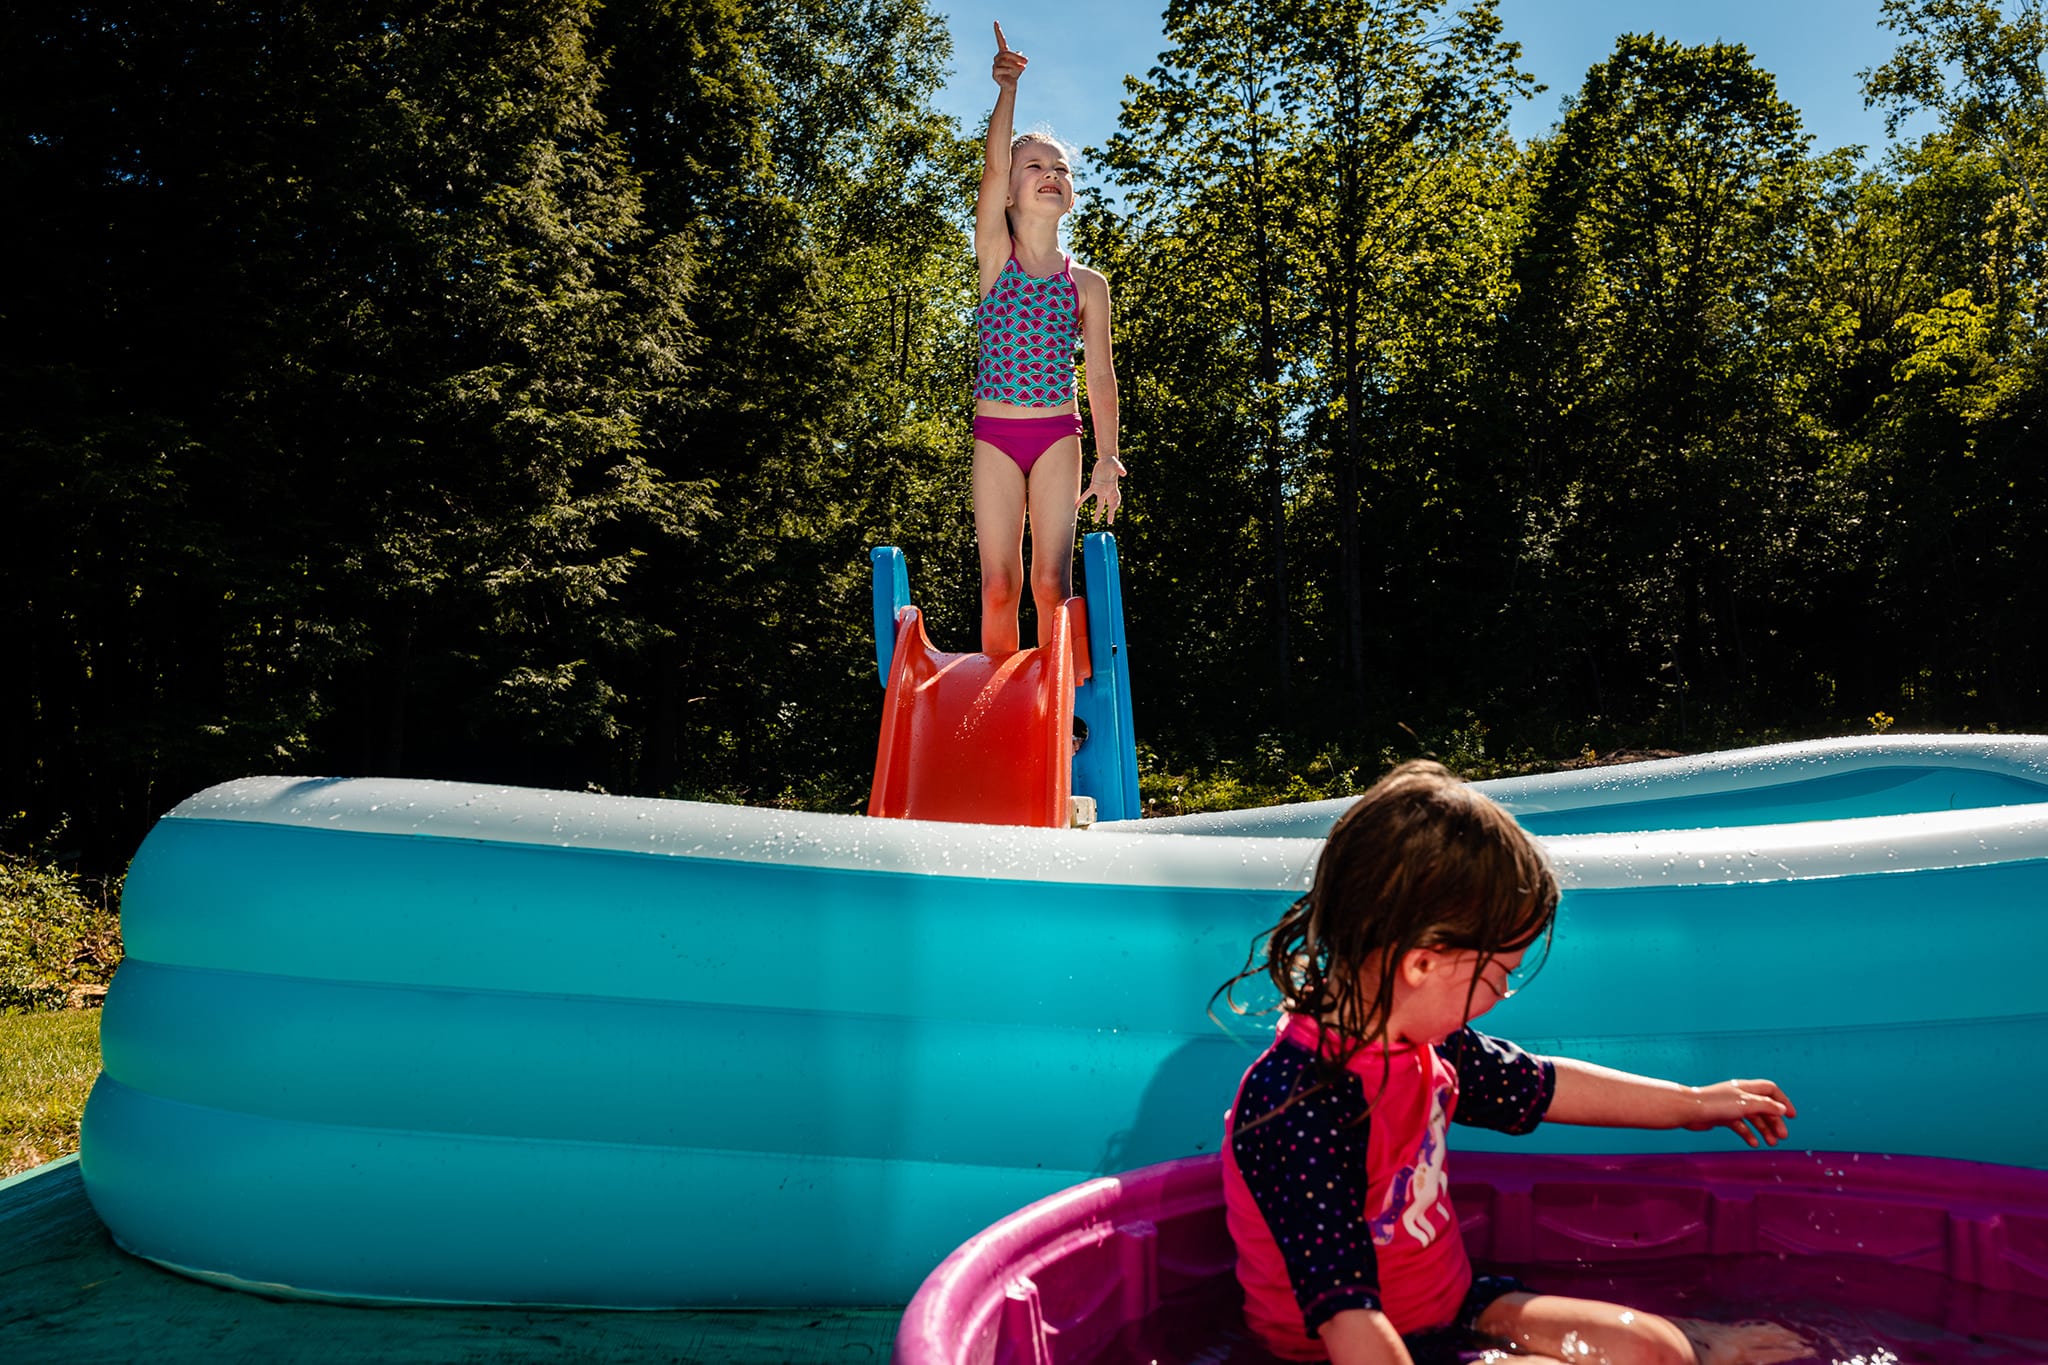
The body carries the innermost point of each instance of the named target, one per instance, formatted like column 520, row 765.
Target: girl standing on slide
column 1035, row 302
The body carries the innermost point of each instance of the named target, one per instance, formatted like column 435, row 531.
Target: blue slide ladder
column 1106, row 767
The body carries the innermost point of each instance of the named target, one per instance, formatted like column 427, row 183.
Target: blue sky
column 1080, row 50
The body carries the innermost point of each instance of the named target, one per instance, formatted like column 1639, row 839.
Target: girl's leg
column 1551, row 1326
column 1055, row 490
column 999, row 532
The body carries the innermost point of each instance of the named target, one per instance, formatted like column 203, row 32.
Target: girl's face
column 1440, row 990
column 1041, row 181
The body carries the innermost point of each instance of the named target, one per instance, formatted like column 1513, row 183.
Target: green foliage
column 504, row 393
column 1633, row 436
column 1303, row 253
column 1271, row 775
column 374, row 447
column 798, row 150
column 60, row 939
column 1281, row 769
column 514, row 393
column 1667, row 473
column 1982, row 65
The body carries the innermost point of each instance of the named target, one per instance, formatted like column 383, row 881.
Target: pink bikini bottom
column 1024, row 439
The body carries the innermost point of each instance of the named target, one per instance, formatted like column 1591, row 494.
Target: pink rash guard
column 1340, row 1199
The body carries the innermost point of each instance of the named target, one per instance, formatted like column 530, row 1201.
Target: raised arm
column 1100, row 365
column 991, row 227
column 1602, row 1097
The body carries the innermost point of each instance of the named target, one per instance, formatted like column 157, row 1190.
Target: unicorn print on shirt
column 1416, row 1197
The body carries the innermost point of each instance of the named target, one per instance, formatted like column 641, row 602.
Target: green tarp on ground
column 67, row 1294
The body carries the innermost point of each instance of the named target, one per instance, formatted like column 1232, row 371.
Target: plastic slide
column 979, row 738
column 991, row 739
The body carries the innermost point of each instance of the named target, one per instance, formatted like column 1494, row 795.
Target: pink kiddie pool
column 1876, row 1260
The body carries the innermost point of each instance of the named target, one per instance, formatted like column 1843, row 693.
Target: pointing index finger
column 1001, row 44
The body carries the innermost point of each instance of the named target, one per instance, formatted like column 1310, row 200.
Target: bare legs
column 999, row 533
column 1587, row 1332
column 1002, row 501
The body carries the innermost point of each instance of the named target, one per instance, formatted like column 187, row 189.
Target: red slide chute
column 980, row 738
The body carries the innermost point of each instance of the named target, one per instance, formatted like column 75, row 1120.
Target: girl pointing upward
column 1035, row 303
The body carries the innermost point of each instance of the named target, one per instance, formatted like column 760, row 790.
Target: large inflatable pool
column 387, row 1040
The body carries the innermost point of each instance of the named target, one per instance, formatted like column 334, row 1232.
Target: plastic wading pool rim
column 1081, row 1265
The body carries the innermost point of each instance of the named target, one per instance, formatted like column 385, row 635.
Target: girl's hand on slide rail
column 1008, row 65
column 1751, row 1109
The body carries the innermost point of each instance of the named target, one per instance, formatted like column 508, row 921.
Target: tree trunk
column 1351, row 556
column 1269, row 429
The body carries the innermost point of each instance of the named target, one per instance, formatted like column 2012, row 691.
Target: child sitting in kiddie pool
column 1426, row 899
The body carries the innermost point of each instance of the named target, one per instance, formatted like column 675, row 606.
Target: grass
column 48, row 1060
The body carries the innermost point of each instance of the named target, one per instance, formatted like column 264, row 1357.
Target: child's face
column 1041, row 179
column 1446, row 988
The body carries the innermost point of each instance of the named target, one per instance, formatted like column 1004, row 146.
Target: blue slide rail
column 892, row 595
column 1106, row 768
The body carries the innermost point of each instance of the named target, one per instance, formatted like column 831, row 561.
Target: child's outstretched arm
column 991, row 225
column 1602, row 1097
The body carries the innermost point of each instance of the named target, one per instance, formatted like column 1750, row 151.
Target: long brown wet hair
column 1419, row 861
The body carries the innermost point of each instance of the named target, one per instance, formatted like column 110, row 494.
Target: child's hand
column 1752, row 1109
column 1009, row 65
column 1102, row 487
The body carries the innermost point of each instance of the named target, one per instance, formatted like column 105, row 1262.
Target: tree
column 328, row 392
column 1667, row 469
column 1312, row 154
column 1944, row 474
column 793, row 147
column 1208, row 139
column 1982, row 69
column 1408, row 109
column 1196, row 563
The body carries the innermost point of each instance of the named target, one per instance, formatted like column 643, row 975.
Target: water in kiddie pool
column 1852, row 1312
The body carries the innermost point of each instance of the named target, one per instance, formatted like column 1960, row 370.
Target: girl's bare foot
column 1742, row 1343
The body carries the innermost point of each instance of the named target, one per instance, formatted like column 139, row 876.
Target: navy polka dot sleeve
column 1499, row 1086
column 1305, row 1168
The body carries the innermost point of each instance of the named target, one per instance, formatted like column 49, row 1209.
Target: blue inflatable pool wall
column 384, row 1040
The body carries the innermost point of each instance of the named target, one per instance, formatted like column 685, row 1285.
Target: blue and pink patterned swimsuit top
column 1028, row 329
